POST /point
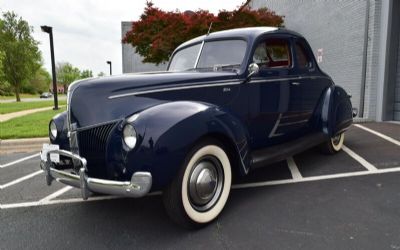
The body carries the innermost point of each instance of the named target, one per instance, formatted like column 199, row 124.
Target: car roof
column 246, row 33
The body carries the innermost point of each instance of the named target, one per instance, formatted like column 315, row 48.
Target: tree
column 157, row 33
column 86, row 73
column 41, row 82
column 66, row 73
column 21, row 56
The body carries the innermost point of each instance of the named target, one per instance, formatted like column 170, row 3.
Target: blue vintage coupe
column 229, row 102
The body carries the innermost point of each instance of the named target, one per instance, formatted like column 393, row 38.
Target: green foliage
column 157, row 33
column 21, row 57
column 66, row 73
column 86, row 73
column 40, row 82
column 29, row 126
column 10, row 107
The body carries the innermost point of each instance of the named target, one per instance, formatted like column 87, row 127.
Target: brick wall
column 337, row 27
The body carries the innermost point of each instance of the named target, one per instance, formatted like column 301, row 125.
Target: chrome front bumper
column 139, row 185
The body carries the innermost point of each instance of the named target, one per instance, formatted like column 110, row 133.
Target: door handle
column 295, row 83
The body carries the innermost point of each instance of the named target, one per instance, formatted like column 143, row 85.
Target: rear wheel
column 200, row 191
column 333, row 145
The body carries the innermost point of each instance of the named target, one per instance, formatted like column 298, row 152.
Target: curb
column 22, row 145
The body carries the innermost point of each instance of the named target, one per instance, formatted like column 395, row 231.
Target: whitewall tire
column 199, row 193
column 333, row 145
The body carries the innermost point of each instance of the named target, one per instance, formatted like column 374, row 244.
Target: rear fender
column 337, row 112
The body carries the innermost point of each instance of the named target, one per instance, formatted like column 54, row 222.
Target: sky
column 87, row 33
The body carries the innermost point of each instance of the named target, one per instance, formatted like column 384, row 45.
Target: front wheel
column 199, row 192
column 333, row 145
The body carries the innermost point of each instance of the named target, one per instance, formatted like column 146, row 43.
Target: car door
column 270, row 92
column 307, row 85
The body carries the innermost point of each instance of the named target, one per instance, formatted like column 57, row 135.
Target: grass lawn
column 12, row 97
column 29, row 126
column 10, row 107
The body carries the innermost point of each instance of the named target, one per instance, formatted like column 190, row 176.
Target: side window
column 273, row 53
column 303, row 59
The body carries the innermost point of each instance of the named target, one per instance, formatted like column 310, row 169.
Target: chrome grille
column 92, row 146
column 73, row 143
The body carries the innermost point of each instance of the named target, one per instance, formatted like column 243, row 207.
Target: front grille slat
column 92, row 146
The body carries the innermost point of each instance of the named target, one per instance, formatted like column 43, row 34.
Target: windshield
column 215, row 55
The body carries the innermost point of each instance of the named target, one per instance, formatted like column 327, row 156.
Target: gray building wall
column 131, row 61
column 397, row 89
column 348, row 32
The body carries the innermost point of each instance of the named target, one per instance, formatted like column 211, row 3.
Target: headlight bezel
column 53, row 131
column 130, row 136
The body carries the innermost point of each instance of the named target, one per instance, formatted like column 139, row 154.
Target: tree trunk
column 17, row 92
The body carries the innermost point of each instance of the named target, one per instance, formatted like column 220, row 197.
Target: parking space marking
column 390, row 139
column 56, row 194
column 294, row 170
column 18, row 161
column 315, row 178
column 237, row 186
column 358, row 158
column 65, row 201
column 26, row 177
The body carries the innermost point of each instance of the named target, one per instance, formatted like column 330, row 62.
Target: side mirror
column 253, row 69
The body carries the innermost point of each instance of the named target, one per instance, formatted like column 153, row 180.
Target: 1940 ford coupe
column 229, row 102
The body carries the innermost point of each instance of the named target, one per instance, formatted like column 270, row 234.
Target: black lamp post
column 49, row 30
column 109, row 62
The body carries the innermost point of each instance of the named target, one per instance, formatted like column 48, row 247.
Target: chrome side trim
column 292, row 123
column 272, row 133
column 192, row 86
column 257, row 80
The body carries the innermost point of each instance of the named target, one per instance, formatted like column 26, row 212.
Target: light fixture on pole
column 49, row 30
column 109, row 62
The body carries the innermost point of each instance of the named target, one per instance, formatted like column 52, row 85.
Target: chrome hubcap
column 336, row 139
column 205, row 184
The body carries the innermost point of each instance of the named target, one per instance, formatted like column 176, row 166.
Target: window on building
column 273, row 53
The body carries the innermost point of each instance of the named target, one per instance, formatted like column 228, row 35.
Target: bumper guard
column 139, row 185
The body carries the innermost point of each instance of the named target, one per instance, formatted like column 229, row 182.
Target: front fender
column 168, row 131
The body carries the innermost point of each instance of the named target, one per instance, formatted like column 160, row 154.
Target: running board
column 262, row 157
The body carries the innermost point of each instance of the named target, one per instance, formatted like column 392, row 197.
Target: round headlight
column 53, row 130
column 129, row 134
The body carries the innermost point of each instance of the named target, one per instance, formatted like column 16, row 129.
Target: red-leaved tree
column 157, row 33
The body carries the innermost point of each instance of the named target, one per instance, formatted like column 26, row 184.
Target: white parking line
column 64, row 201
column 358, row 158
column 21, row 179
column 18, row 161
column 294, row 170
column 237, row 186
column 56, row 194
column 315, row 178
column 378, row 134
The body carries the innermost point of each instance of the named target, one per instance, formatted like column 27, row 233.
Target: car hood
column 92, row 102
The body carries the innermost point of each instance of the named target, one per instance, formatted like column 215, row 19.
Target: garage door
column 397, row 93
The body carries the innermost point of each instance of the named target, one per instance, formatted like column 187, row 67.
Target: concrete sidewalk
column 22, row 145
column 9, row 116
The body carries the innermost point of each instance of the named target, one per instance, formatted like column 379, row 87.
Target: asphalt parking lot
column 311, row 201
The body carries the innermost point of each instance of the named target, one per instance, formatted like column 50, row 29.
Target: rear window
column 273, row 53
column 303, row 59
